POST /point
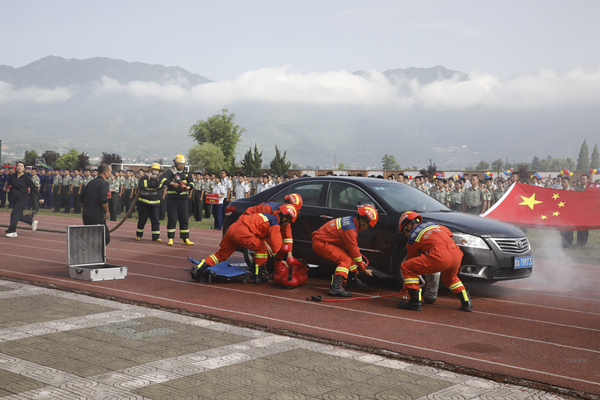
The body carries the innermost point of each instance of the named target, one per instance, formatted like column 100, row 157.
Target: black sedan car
column 492, row 250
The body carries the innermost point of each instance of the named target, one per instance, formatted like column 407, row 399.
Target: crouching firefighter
column 430, row 249
column 337, row 241
column 272, row 208
column 179, row 184
column 252, row 232
column 148, row 202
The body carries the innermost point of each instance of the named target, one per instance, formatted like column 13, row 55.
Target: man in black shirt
column 94, row 200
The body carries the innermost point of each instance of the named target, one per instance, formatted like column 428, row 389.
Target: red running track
column 543, row 329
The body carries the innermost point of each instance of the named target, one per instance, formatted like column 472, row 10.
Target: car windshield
column 403, row 197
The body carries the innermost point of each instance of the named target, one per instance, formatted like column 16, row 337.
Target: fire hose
column 129, row 212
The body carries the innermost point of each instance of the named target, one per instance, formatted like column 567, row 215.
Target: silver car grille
column 512, row 245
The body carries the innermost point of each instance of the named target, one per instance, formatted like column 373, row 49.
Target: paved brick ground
column 63, row 346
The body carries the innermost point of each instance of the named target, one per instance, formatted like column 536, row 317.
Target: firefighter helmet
column 294, row 199
column 155, row 166
column 408, row 217
column 179, row 159
column 289, row 210
column 370, row 213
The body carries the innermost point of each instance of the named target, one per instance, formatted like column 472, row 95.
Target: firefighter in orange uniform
column 430, row 249
column 252, row 232
column 337, row 241
column 273, row 209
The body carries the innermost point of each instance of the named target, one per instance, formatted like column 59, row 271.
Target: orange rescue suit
column 337, row 241
column 251, row 232
column 273, row 209
column 431, row 249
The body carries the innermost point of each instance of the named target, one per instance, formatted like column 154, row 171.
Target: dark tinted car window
column 310, row 192
column 346, row 196
column 403, row 197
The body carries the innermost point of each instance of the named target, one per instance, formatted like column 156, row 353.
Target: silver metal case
column 86, row 255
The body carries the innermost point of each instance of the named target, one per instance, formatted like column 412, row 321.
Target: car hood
column 473, row 224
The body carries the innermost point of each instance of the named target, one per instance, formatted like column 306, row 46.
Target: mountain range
column 57, row 104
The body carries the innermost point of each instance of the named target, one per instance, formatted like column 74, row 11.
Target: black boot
column 197, row 271
column 336, row 288
column 414, row 303
column 354, row 282
column 261, row 276
column 465, row 301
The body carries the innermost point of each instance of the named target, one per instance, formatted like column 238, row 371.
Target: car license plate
column 523, row 262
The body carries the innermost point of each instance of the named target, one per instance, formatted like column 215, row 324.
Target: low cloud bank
column 9, row 94
column 545, row 88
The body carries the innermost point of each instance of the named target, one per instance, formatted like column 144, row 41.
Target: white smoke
column 545, row 88
column 9, row 94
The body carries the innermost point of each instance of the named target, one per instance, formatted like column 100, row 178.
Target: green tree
column 595, row 163
column 482, row 166
column 342, row 166
column 68, row 160
column 111, row 158
column 50, row 157
column 219, row 130
column 248, row 163
column 389, row 163
column 83, row 160
column 583, row 161
column 257, row 160
column 30, row 156
column 497, row 165
column 279, row 166
column 207, row 157
column 536, row 164
column 429, row 171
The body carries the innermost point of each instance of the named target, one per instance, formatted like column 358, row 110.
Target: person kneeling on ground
column 337, row 241
column 430, row 249
column 252, row 232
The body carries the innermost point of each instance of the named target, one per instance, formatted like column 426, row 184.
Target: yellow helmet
column 179, row 159
column 155, row 166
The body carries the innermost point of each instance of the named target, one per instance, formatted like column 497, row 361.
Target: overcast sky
column 221, row 40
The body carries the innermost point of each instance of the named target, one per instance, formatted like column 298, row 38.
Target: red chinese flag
column 543, row 208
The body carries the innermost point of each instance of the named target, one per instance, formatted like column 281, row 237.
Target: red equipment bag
column 292, row 275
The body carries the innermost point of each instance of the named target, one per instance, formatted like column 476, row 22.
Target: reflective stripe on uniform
column 264, row 217
column 342, row 269
column 338, row 223
column 455, row 285
column 171, row 230
column 358, row 259
column 411, row 280
column 425, row 230
column 353, row 268
column 288, row 241
column 184, row 231
column 140, row 230
column 156, row 232
column 260, row 255
column 464, row 295
column 214, row 258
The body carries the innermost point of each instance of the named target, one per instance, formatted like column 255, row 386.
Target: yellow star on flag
column 544, row 217
column 561, row 204
column 555, row 214
column 531, row 201
column 555, row 196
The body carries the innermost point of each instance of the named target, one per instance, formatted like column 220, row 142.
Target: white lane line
column 363, row 312
column 338, row 332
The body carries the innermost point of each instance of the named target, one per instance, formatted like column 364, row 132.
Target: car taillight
column 229, row 210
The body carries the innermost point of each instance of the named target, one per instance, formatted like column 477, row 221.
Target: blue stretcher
column 222, row 270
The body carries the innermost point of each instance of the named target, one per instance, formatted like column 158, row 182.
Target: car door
column 343, row 199
column 308, row 221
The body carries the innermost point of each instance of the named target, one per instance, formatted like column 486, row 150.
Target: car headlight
column 465, row 240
